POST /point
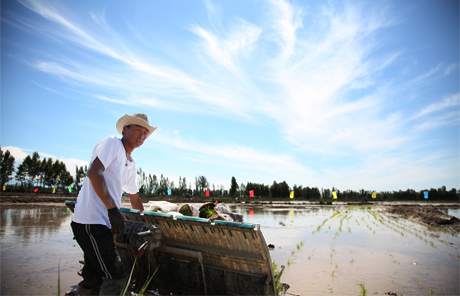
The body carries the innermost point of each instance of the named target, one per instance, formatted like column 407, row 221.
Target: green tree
column 260, row 190
column 35, row 167
column 153, row 184
column 30, row 168
column 141, row 181
column 63, row 176
column 6, row 166
column 233, row 187
column 243, row 191
column 280, row 190
column 164, row 185
column 47, row 173
column 182, row 186
column 80, row 174
column 201, row 183
column 21, row 175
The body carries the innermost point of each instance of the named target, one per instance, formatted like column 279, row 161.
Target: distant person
column 97, row 217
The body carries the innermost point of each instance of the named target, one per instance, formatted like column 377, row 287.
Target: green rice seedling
column 277, row 274
column 186, row 210
column 207, row 212
column 123, row 292
column 455, row 255
column 333, row 251
column 147, row 283
column 336, row 235
column 363, row 290
column 430, row 291
column 59, row 279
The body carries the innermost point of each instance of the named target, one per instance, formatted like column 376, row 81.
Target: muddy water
column 325, row 250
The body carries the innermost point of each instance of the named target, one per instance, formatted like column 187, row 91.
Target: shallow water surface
column 325, row 250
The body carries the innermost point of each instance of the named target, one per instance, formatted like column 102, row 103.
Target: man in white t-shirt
column 97, row 217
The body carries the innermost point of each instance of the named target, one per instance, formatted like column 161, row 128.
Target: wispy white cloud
column 316, row 80
column 443, row 120
column 224, row 51
column 233, row 155
column 431, row 74
column 286, row 21
column 446, row 102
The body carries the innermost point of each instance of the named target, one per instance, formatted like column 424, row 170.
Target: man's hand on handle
column 116, row 221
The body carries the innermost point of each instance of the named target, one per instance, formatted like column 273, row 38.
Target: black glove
column 116, row 220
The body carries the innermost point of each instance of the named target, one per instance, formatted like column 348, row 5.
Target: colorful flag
column 251, row 193
column 4, row 187
column 292, row 194
column 425, row 193
column 54, row 190
column 374, row 194
column 334, row 195
column 207, row 193
column 70, row 189
column 169, row 191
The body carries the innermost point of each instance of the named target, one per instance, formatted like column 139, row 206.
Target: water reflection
column 30, row 225
column 451, row 212
column 294, row 214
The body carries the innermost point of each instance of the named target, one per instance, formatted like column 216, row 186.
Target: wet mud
column 427, row 215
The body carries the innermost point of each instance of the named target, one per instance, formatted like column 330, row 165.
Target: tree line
column 35, row 172
column 46, row 173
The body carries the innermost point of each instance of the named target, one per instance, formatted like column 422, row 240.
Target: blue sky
column 350, row 94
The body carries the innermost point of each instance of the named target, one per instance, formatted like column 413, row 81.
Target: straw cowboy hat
column 138, row 119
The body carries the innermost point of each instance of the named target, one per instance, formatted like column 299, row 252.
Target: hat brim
column 128, row 120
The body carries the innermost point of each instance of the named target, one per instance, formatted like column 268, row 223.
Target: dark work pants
column 101, row 257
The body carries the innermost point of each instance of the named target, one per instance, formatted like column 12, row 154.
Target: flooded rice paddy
column 335, row 250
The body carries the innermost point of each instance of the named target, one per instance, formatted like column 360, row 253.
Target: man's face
column 135, row 135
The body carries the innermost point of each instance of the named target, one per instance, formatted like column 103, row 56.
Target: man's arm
column 99, row 185
column 136, row 202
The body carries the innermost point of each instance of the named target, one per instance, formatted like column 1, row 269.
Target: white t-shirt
column 119, row 174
